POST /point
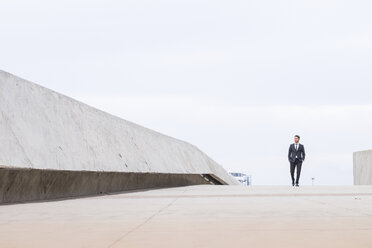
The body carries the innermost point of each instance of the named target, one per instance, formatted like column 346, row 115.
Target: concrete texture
column 197, row 216
column 362, row 167
column 42, row 129
column 19, row 185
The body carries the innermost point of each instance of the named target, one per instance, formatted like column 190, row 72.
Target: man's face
column 296, row 139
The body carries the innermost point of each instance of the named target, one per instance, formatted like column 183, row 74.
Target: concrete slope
column 44, row 130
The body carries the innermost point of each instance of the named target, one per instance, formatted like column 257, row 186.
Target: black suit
column 296, row 157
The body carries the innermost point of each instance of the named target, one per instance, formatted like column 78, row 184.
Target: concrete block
column 362, row 167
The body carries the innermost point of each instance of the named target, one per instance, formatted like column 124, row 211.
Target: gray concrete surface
column 44, row 130
column 197, row 216
column 362, row 167
column 20, row 185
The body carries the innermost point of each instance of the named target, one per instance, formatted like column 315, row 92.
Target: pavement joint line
column 144, row 222
column 243, row 195
column 348, row 209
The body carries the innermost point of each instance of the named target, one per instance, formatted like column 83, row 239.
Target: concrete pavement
column 197, row 216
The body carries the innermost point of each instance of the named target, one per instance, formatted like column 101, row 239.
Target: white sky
column 236, row 78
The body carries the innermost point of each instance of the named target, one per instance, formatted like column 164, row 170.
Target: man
column 296, row 155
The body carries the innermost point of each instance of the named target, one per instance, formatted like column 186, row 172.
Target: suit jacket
column 300, row 153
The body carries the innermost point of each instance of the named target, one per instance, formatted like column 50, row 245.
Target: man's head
column 297, row 138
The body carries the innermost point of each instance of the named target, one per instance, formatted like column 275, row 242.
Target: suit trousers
column 296, row 164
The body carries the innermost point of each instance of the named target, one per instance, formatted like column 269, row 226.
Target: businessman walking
column 296, row 155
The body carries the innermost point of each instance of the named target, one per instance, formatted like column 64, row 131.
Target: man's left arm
column 303, row 152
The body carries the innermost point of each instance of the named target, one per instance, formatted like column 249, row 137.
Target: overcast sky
column 238, row 79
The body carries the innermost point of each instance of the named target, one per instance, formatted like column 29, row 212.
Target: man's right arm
column 289, row 153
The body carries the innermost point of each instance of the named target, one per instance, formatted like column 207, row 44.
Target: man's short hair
column 298, row 136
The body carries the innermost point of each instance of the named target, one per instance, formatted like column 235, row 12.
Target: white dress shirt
column 297, row 145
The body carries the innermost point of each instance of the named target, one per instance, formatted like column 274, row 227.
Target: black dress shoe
column 293, row 184
column 297, row 185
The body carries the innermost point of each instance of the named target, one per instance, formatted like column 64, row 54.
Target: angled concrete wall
column 44, row 130
column 362, row 167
